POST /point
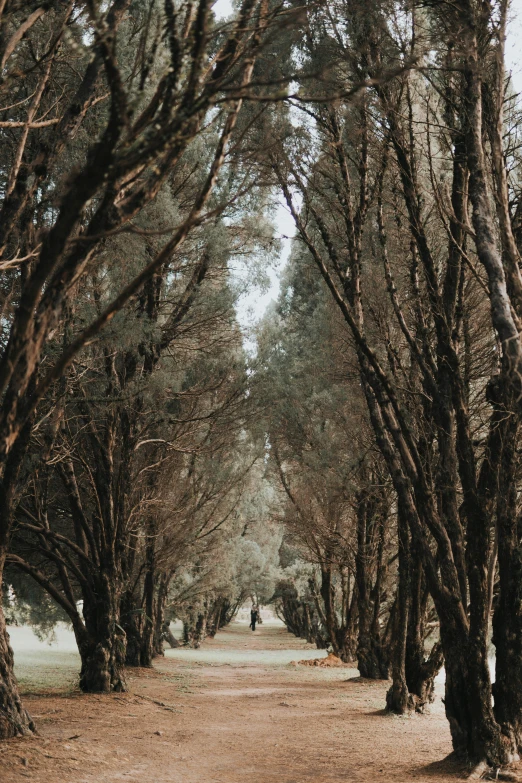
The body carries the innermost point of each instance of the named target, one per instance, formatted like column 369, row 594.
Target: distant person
column 254, row 616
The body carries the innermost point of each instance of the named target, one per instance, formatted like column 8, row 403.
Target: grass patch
column 50, row 671
column 45, row 668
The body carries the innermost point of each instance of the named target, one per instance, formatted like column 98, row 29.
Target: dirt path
column 234, row 711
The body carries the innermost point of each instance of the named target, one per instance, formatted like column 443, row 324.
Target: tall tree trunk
column 14, row 718
column 372, row 660
column 103, row 649
column 330, row 617
column 161, row 626
column 149, row 620
column 348, row 633
column 474, row 732
column 421, row 670
column 131, row 616
column 398, row 697
column 195, row 626
column 214, row 618
column 507, row 620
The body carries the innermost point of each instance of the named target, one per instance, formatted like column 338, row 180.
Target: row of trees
column 124, row 454
column 338, row 505
column 407, row 203
column 382, row 410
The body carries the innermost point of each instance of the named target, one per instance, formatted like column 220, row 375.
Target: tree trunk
column 301, row 618
column 214, row 618
column 131, row 622
column 161, row 626
column 14, row 719
column 420, row 670
column 507, row 620
column 169, row 637
column 398, row 698
column 474, row 732
column 330, row 617
column 195, row 627
column 372, row 661
column 348, row 633
column 149, row 620
column 103, row 648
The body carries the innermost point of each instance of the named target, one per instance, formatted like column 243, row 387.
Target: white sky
column 252, row 306
column 222, row 8
column 514, row 44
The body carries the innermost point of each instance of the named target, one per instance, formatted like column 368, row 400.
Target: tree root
column 483, row 771
column 479, row 771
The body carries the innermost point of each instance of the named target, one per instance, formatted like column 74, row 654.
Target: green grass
column 221, row 657
column 45, row 668
column 47, row 671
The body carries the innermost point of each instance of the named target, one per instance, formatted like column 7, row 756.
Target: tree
column 88, row 149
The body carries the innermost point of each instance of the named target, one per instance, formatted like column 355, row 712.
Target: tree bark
column 131, row 621
column 372, row 660
column 149, row 620
column 507, row 619
column 330, row 617
column 162, row 626
column 421, row 670
column 195, row 626
column 348, row 642
column 169, row 637
column 14, row 718
column 398, row 698
column 103, row 648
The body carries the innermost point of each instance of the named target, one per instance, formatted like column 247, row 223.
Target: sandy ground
column 235, row 711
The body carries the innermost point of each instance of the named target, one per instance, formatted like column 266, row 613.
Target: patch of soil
column 210, row 721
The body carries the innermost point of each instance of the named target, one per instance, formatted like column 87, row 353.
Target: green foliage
column 25, row 603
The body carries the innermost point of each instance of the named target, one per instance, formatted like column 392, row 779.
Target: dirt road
column 235, row 711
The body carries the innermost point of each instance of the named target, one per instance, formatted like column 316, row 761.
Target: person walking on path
column 254, row 616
